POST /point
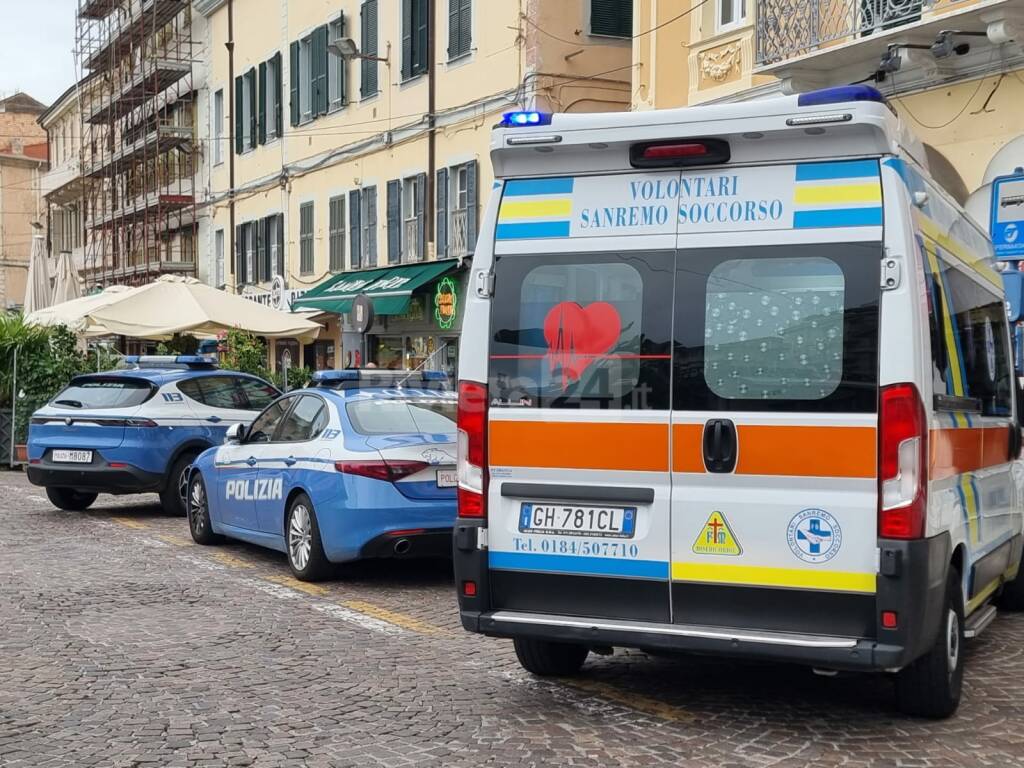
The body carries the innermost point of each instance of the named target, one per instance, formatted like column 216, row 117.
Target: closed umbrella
column 174, row 304
column 37, row 289
column 66, row 285
column 74, row 313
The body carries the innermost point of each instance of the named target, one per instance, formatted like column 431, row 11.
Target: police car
column 137, row 430
column 360, row 465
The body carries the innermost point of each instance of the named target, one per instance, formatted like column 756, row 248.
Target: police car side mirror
column 235, row 433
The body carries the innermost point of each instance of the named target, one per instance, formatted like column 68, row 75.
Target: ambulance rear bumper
column 846, row 653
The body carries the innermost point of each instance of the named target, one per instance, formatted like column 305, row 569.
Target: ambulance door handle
column 720, row 445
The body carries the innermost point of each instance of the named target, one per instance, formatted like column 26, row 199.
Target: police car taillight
column 472, row 449
column 679, row 154
column 389, row 471
column 902, row 463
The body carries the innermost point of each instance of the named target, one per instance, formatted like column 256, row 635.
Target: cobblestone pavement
column 123, row 644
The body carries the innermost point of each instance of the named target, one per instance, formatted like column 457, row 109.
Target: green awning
column 391, row 288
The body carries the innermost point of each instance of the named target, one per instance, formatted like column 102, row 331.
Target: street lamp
column 346, row 48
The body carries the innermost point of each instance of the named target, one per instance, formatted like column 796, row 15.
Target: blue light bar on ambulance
column 525, row 119
column 840, row 95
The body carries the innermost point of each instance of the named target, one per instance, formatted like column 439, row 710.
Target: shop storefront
column 415, row 321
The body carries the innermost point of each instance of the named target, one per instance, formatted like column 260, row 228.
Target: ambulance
column 736, row 380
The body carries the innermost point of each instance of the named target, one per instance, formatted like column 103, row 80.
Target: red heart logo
column 578, row 336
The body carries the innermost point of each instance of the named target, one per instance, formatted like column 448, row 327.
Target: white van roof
column 848, row 121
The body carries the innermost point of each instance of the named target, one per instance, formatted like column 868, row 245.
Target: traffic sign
column 1007, row 219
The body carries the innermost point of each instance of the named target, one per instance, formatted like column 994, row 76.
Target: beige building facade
column 953, row 69
column 322, row 164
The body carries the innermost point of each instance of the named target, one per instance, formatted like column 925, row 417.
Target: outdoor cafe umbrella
column 37, row 288
column 173, row 304
column 74, row 313
column 66, row 285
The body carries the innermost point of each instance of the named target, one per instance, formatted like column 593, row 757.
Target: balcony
column 153, row 78
column 816, row 43
column 458, row 237
column 169, row 199
column 97, row 9
column 63, row 183
column 160, row 139
column 145, row 20
column 411, row 240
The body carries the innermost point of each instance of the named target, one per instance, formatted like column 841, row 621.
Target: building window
column 731, row 12
column 218, row 128
column 368, row 216
column 218, row 258
column 305, row 70
column 456, row 210
column 413, row 229
column 611, row 18
column 368, row 39
column 270, row 104
column 309, row 76
column 336, row 68
column 245, row 112
column 275, row 244
column 188, row 248
column 460, row 28
column 306, row 239
column 415, row 18
column 337, row 233
column 250, row 251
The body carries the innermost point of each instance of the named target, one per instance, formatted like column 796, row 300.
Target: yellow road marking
column 234, row 562
column 303, row 586
column 178, row 541
column 645, row 704
column 393, row 617
column 129, row 522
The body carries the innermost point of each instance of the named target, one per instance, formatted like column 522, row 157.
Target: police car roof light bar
column 170, row 361
column 840, row 95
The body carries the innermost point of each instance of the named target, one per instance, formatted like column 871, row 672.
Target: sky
column 36, row 39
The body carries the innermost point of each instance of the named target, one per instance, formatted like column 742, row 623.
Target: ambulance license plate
column 71, row 457
column 577, row 520
column 447, row 478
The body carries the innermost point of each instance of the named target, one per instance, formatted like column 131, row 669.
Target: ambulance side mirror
column 235, row 433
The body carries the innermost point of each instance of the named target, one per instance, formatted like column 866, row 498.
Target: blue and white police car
column 138, row 429
column 359, row 465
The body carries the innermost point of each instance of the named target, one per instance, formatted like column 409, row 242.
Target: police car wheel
column 547, row 659
column 172, row 498
column 69, row 499
column 302, row 534
column 199, row 512
column 931, row 686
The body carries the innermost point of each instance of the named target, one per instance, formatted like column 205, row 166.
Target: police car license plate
column 72, row 457
column 576, row 520
column 447, row 478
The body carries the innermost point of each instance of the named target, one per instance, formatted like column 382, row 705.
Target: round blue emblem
column 814, row 536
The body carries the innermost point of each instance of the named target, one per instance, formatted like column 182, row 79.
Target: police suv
column 137, row 430
column 736, row 379
column 360, row 465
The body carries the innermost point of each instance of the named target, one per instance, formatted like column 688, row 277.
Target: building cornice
column 208, row 7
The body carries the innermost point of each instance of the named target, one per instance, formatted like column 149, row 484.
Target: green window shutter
column 343, row 69
column 239, row 256
column 239, row 101
column 466, row 26
column 250, row 76
column 280, row 244
column 279, row 85
column 354, row 231
column 421, row 22
column 421, row 215
column 394, row 213
column 441, row 232
column 408, row 24
column 453, row 28
column 613, row 18
column 368, row 24
column 262, row 117
column 321, row 100
column 472, row 202
column 294, row 77
column 371, row 226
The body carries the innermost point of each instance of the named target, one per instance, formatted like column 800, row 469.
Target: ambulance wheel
column 306, row 555
column 199, row 512
column 930, row 687
column 69, row 499
column 547, row 659
column 172, row 498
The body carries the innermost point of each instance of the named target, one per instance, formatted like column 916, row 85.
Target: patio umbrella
column 66, row 285
column 37, row 288
column 73, row 313
column 174, row 304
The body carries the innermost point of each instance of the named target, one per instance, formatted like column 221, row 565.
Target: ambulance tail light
column 902, row 463
column 472, row 449
column 680, row 153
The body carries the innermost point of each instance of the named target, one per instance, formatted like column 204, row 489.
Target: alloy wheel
column 952, row 642
column 300, row 537
column 197, row 507
column 183, row 484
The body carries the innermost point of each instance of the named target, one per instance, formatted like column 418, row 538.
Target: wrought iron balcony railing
column 790, row 28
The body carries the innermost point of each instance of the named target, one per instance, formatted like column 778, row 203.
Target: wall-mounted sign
column 446, row 303
column 278, row 297
column 1007, row 223
column 362, row 313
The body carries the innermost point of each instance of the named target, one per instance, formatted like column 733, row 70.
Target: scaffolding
column 139, row 143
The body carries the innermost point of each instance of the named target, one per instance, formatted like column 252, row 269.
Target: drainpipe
column 431, row 198
column 230, row 45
